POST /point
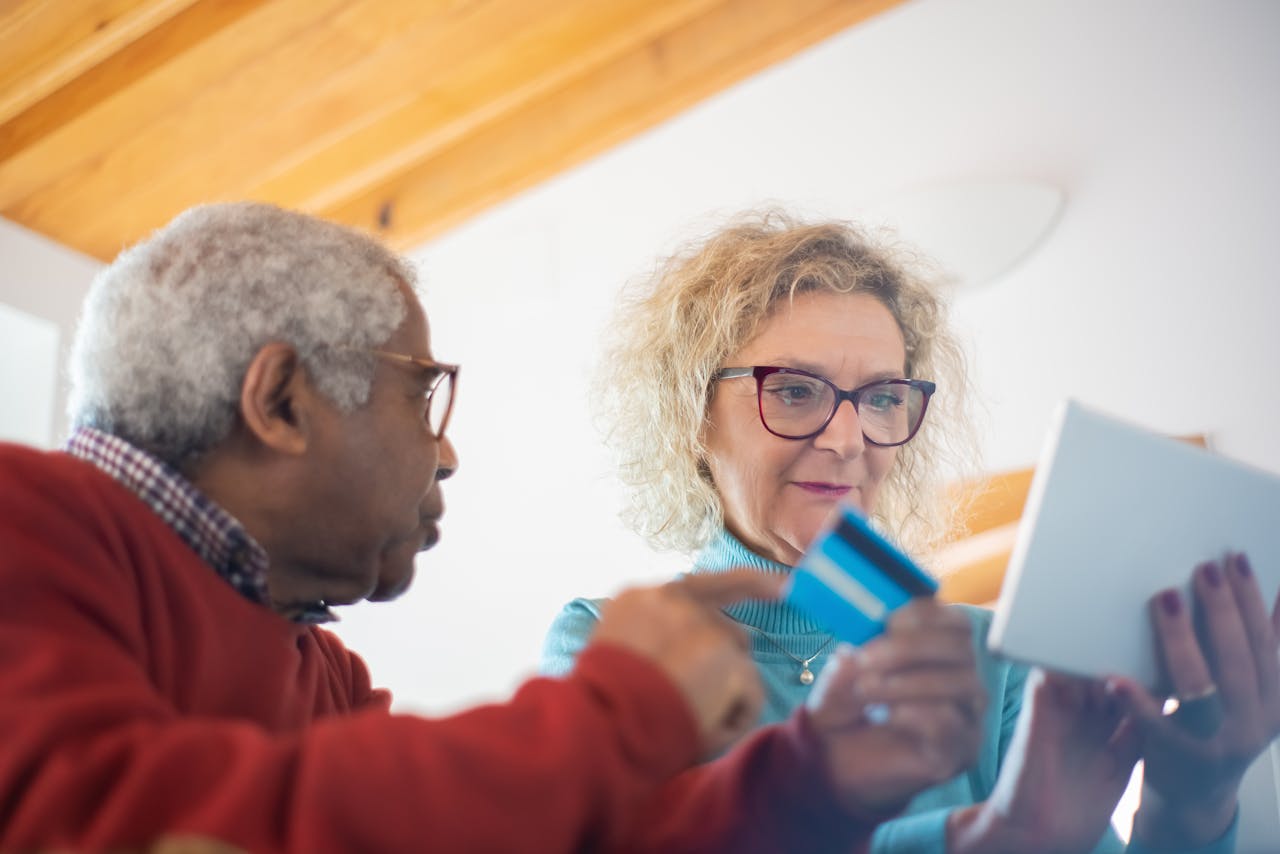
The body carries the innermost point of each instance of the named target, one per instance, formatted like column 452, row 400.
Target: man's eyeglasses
column 796, row 404
column 439, row 393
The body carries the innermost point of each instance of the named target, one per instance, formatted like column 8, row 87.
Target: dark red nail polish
column 1171, row 602
column 1242, row 566
column 1212, row 574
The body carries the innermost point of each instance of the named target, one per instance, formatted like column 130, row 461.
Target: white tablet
column 1115, row 514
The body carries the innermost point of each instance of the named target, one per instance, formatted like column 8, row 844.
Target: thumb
column 1126, row 744
column 1144, row 713
column 833, row 701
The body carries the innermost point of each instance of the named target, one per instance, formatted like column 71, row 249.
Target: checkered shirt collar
column 211, row 532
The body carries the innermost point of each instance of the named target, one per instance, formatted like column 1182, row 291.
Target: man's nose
column 448, row 463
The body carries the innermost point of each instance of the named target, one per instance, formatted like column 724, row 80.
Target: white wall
column 28, row 377
column 1154, row 297
column 41, row 287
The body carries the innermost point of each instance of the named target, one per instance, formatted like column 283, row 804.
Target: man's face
column 374, row 484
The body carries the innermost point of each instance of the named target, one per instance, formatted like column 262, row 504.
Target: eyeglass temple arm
column 734, row 373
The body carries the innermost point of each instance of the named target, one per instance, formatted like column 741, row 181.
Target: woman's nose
column 843, row 433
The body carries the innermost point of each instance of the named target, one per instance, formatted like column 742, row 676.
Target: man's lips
column 430, row 534
column 824, row 489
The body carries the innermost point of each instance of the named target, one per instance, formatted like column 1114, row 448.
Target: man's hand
column 680, row 628
column 902, row 713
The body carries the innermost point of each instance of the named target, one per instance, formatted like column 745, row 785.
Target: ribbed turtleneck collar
column 726, row 552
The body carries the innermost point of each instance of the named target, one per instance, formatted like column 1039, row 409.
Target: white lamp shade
column 975, row 230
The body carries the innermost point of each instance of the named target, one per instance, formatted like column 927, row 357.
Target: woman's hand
column 1229, row 678
column 1069, row 761
column 902, row 713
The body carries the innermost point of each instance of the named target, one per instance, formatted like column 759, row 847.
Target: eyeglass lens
column 794, row 405
column 439, row 404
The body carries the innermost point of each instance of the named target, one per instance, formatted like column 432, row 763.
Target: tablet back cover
column 1115, row 514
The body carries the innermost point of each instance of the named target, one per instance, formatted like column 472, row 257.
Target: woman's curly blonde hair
column 674, row 329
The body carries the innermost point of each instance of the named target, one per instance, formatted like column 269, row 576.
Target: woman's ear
column 276, row 399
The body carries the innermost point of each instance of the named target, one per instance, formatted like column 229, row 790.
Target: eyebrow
column 800, row 364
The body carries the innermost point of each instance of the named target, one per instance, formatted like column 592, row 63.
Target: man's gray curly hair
column 169, row 328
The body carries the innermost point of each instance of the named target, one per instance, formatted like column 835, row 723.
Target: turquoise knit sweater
column 921, row 828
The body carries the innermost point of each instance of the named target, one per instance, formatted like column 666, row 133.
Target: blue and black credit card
column 851, row 578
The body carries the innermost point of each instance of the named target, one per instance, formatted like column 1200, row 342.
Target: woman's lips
column 826, row 490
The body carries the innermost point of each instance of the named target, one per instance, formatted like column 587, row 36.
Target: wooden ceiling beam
column 285, row 97
column 630, row 94
column 122, row 69
column 46, row 44
column 401, row 116
column 542, row 57
column 100, row 137
column 468, row 68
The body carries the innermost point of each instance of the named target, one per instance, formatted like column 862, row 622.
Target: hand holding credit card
column 852, row 578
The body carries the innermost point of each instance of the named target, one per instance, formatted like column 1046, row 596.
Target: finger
column 959, row 686
column 741, row 711
column 1069, row 692
column 750, row 699
column 1094, row 697
column 1275, row 615
column 1226, row 643
column 843, row 669
column 1147, row 714
column 895, row 652
column 737, row 631
column 1184, row 662
column 928, row 614
column 834, row 695
column 720, row 589
column 1257, row 626
column 944, row 734
column 1125, row 746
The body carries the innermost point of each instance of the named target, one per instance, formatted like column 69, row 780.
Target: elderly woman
column 727, row 392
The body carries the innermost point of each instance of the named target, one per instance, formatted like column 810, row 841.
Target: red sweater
column 142, row 697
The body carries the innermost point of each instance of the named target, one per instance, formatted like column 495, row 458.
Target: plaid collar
column 211, row 532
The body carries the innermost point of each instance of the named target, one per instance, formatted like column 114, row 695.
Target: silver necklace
column 806, row 675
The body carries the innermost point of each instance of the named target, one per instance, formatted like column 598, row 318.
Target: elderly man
column 260, row 436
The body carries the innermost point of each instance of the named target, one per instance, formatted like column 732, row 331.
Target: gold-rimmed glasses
column 440, row 390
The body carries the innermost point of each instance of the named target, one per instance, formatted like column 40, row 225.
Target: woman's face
column 777, row 493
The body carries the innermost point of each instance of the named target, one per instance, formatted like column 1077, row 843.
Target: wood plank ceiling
column 403, row 117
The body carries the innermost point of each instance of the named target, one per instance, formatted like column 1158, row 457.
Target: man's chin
column 391, row 588
column 396, row 575
column 398, row 564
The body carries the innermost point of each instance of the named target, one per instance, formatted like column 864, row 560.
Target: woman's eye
column 793, row 395
column 884, row 400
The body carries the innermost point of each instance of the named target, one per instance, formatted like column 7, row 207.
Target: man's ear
column 276, row 399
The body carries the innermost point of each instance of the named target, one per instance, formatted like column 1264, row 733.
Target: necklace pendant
column 806, row 676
